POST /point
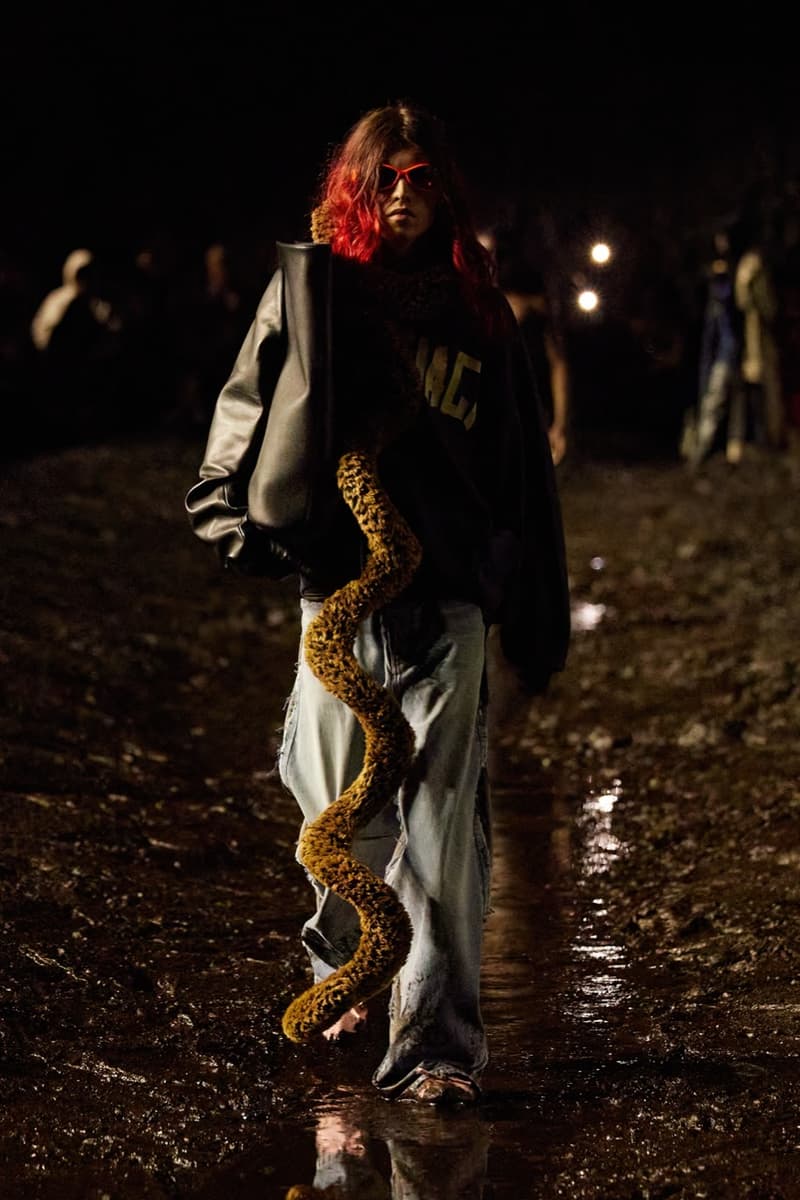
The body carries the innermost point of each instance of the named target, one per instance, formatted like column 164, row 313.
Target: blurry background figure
column 151, row 379
column 788, row 285
column 77, row 333
column 758, row 408
column 659, row 322
column 218, row 280
column 712, row 419
column 212, row 328
column 525, row 288
column 55, row 304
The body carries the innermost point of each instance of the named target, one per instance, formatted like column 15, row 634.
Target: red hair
column 348, row 195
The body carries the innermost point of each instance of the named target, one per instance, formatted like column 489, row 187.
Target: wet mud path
column 642, row 971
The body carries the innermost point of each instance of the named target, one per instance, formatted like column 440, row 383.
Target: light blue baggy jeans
column 432, row 844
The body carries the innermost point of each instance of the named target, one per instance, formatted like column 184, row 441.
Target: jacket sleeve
column 534, row 618
column 217, row 504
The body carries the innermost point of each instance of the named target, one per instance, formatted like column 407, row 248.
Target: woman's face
column 407, row 206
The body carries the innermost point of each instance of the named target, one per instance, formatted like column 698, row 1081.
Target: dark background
column 151, row 128
column 215, row 126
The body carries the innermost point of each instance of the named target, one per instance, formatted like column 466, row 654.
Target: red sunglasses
column 421, row 176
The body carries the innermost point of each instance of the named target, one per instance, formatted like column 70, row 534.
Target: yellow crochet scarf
column 393, row 555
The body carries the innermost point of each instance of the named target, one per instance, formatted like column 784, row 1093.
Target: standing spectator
column 212, row 327
column 525, row 290
column 52, row 309
column 77, row 333
column 719, row 381
column 149, row 334
column 787, row 283
column 758, row 410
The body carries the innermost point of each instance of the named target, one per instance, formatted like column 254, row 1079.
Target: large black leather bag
column 267, row 474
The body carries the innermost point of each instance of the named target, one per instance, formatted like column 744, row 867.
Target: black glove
column 262, row 555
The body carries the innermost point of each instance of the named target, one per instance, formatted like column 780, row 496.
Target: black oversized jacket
column 472, row 472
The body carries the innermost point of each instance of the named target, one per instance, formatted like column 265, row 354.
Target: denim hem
column 438, row 1069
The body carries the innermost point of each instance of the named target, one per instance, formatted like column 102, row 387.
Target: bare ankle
column 348, row 1023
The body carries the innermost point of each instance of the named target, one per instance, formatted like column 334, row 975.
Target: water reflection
column 392, row 1152
column 561, row 1013
column 586, row 616
column 600, row 845
column 603, row 989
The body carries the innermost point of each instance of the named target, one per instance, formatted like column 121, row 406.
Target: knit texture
column 325, row 846
column 382, row 397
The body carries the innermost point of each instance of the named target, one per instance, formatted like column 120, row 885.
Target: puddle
column 586, row 616
column 577, row 1101
column 557, row 1001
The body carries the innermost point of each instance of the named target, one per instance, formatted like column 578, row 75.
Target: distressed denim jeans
column 431, row 844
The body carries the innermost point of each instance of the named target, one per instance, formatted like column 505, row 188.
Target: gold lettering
column 461, row 409
column 432, row 370
column 435, row 376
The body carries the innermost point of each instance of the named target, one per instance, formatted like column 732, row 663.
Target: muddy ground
column 642, row 972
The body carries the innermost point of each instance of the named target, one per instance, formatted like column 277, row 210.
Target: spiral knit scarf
column 378, row 396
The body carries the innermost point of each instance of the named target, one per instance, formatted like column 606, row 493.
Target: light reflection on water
column 604, row 849
column 556, row 988
column 604, row 987
column 586, row 616
column 600, row 845
column 555, row 975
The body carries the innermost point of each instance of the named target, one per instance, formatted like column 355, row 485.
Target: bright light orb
column 600, row 252
column 588, row 300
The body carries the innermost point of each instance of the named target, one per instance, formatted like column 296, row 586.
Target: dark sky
column 216, row 126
